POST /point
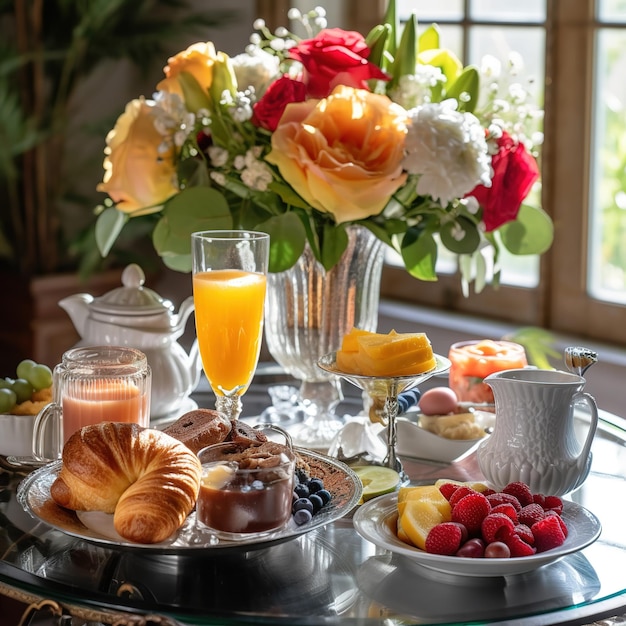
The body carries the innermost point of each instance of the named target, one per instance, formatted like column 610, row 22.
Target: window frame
column 560, row 302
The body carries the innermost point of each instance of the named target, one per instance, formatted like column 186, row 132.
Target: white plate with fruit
column 377, row 522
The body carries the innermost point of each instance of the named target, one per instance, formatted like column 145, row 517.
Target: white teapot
column 135, row 316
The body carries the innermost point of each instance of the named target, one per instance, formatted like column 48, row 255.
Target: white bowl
column 16, row 434
column 416, row 442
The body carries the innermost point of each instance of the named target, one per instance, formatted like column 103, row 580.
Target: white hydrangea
column 256, row 68
column 416, row 89
column 448, row 150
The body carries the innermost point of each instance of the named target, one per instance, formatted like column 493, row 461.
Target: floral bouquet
column 302, row 137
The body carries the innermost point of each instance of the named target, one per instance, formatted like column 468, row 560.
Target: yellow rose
column 138, row 177
column 190, row 74
column 342, row 154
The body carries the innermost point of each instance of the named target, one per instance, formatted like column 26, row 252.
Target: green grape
column 7, row 400
column 24, row 368
column 23, row 390
column 40, row 376
column 5, row 383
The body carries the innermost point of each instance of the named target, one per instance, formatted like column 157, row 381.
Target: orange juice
column 103, row 401
column 229, row 324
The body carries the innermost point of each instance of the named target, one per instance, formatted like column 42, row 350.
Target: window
column 575, row 49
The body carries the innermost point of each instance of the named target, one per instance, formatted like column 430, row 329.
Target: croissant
column 147, row 479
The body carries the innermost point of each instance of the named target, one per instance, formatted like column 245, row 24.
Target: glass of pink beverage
column 229, row 284
column 93, row 385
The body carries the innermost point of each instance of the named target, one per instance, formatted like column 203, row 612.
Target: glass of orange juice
column 229, row 284
column 472, row 361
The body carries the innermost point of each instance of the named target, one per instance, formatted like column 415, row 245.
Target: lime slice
column 376, row 480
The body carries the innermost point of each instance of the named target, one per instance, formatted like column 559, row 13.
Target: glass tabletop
column 329, row 575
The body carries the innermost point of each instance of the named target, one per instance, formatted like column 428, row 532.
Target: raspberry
column 561, row 520
column 521, row 491
column 496, row 526
column 470, row 511
column 447, row 489
column 530, row 514
column 444, row 538
column 518, row 546
column 507, row 508
column 525, row 533
column 548, row 533
column 553, row 503
column 503, row 498
column 460, row 492
column 539, row 498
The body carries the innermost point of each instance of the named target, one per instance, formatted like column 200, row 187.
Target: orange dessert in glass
column 472, row 361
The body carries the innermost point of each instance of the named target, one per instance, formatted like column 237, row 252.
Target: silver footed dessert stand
column 386, row 389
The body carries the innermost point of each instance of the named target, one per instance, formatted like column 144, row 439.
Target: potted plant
column 50, row 53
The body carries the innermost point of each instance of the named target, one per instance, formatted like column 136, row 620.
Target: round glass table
column 327, row 576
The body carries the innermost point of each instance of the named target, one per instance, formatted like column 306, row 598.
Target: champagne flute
column 229, row 284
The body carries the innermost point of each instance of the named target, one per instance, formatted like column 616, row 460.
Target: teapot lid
column 132, row 298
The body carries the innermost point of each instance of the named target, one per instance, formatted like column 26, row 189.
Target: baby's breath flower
column 218, row 156
column 258, row 24
column 218, row 177
column 257, row 176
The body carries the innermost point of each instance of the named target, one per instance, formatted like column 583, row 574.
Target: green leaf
column 465, row 89
column 419, row 253
column 108, row 227
column 531, row 233
column 450, row 232
column 198, row 208
column 287, row 240
column 406, row 57
column 429, row 39
column 334, row 243
column 391, row 18
column 376, row 41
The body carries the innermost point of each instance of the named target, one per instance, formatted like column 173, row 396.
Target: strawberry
column 530, row 514
column 503, row 498
column 553, row 503
column 496, row 526
column 525, row 533
column 447, row 489
column 460, row 492
column 507, row 508
column 470, row 511
column 521, row 491
column 517, row 545
column 548, row 533
column 444, row 538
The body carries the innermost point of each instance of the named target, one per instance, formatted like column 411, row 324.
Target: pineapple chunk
column 385, row 355
column 417, row 519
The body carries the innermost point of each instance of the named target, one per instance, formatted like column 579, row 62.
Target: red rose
column 514, row 173
column 267, row 112
column 335, row 57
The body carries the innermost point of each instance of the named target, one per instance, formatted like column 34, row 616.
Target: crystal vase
column 308, row 311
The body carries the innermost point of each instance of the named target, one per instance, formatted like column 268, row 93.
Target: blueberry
column 302, row 516
column 324, row 494
column 315, row 484
column 302, row 490
column 316, row 501
column 302, row 504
